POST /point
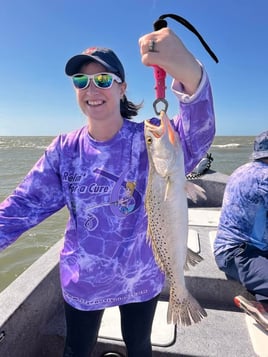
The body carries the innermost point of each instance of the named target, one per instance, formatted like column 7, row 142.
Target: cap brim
column 259, row 155
column 75, row 63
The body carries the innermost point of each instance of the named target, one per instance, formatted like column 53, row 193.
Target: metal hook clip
column 163, row 101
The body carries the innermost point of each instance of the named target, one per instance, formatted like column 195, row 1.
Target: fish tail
column 194, row 191
column 184, row 311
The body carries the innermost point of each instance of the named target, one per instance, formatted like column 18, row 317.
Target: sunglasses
column 101, row 80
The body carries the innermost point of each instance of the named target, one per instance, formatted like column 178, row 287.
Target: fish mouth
column 157, row 130
column 164, row 127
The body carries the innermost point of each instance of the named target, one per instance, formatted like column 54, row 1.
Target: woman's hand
column 172, row 56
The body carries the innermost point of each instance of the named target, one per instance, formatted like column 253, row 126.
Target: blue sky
column 37, row 37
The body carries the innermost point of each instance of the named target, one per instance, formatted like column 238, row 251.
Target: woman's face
column 97, row 103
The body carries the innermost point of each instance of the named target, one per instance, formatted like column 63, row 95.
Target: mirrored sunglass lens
column 103, row 80
column 80, row 82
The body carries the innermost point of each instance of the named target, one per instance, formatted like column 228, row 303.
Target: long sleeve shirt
column 105, row 260
column 244, row 215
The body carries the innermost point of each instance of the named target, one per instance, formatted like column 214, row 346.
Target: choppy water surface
column 18, row 155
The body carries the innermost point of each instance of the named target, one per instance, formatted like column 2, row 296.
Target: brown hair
column 128, row 109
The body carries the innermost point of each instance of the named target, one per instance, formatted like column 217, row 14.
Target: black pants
column 136, row 326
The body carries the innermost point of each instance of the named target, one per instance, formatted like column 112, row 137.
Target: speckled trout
column 167, row 209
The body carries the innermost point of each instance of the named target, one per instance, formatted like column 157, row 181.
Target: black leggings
column 136, row 326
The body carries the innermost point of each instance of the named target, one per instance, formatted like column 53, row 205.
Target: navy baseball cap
column 103, row 56
column 260, row 146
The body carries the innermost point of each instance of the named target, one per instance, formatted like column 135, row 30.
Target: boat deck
column 226, row 331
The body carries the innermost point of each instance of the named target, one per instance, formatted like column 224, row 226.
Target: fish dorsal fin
column 152, row 244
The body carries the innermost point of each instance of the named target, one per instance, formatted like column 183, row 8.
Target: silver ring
column 152, row 46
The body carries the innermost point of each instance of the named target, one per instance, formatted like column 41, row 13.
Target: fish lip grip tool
column 160, row 77
column 160, row 87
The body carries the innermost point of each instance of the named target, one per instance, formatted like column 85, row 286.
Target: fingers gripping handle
column 160, row 76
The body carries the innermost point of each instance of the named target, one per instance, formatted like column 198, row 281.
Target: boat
column 32, row 317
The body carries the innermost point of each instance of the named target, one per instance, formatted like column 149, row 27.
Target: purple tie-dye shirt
column 244, row 215
column 105, row 260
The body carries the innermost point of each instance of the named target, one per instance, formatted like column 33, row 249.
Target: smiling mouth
column 95, row 103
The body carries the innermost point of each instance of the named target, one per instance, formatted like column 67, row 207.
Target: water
column 17, row 156
column 230, row 152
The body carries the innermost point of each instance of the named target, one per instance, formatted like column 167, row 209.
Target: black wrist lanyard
column 160, row 23
column 159, row 73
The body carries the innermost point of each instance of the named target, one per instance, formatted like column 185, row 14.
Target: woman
column 100, row 172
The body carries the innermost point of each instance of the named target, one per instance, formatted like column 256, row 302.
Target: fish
column 166, row 206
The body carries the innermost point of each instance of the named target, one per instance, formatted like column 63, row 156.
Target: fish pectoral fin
column 194, row 191
column 192, row 258
column 167, row 188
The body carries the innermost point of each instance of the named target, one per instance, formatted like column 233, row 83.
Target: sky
column 37, row 37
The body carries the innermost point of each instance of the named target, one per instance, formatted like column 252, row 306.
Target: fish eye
column 149, row 140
